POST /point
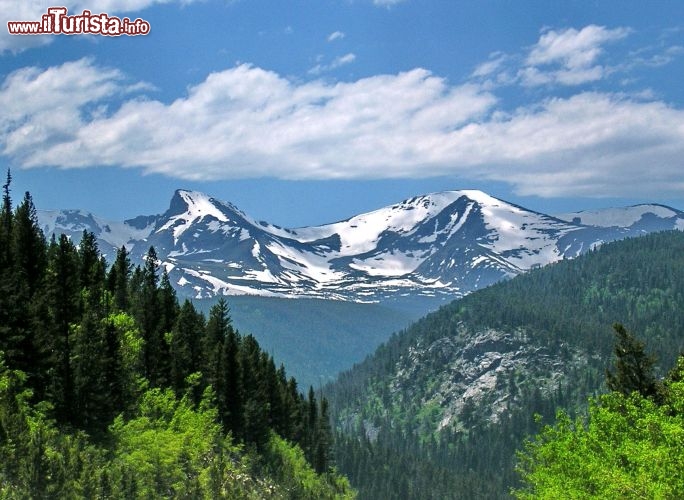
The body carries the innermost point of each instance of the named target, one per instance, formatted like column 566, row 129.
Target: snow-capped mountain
column 647, row 218
column 437, row 245
column 111, row 235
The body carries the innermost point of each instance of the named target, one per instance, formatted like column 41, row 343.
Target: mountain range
column 438, row 246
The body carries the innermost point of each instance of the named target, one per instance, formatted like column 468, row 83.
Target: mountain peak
column 187, row 207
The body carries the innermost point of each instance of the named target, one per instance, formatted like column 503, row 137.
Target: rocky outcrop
column 479, row 374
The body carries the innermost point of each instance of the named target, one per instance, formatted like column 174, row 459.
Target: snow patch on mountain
column 361, row 233
column 73, row 222
column 624, row 216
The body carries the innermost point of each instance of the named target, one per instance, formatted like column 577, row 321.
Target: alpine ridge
column 436, row 247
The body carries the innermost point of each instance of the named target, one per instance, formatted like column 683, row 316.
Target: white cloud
column 343, row 60
column 336, row 63
column 569, row 56
column 243, row 122
column 40, row 106
column 32, row 10
column 573, row 48
column 490, row 66
column 337, row 35
column 246, row 122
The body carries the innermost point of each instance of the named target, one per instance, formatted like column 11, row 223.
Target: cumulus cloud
column 32, row 10
column 241, row 122
column 246, row 122
column 569, row 56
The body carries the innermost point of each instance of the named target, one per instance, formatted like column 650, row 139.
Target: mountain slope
column 646, row 218
column 457, row 390
column 111, row 235
column 433, row 247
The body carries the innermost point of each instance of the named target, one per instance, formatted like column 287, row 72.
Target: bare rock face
column 479, row 375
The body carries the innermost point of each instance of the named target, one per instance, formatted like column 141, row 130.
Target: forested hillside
column 439, row 410
column 109, row 388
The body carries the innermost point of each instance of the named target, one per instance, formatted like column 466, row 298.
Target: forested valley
column 538, row 343
column 110, row 388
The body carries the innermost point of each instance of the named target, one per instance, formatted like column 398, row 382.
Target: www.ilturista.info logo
column 57, row 22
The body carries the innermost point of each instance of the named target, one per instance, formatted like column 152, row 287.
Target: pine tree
column 311, row 426
column 168, row 313
column 148, row 315
column 62, row 290
column 118, row 277
column 6, row 219
column 25, row 342
column 256, row 406
column 90, row 266
column 186, row 348
column 29, row 246
column 231, row 411
column 6, row 267
column 323, row 439
column 98, row 374
column 216, row 332
column 633, row 367
column 168, row 304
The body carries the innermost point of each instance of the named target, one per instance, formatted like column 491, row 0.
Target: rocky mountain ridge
column 441, row 245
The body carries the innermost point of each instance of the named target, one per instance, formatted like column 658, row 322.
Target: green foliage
column 109, row 389
column 36, row 459
column 627, row 447
column 289, row 466
column 169, row 446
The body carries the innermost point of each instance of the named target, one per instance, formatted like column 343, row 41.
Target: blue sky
column 306, row 112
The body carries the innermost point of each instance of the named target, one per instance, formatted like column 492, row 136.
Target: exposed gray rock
column 479, row 373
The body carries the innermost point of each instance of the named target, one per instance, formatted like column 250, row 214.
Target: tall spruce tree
column 232, row 399
column 633, row 367
column 6, row 266
column 186, row 348
column 149, row 318
column 323, row 447
column 216, row 332
column 6, row 218
column 28, row 245
column 256, row 406
column 118, row 277
column 62, row 290
column 25, row 341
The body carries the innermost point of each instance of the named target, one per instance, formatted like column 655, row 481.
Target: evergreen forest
column 390, row 441
column 111, row 388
